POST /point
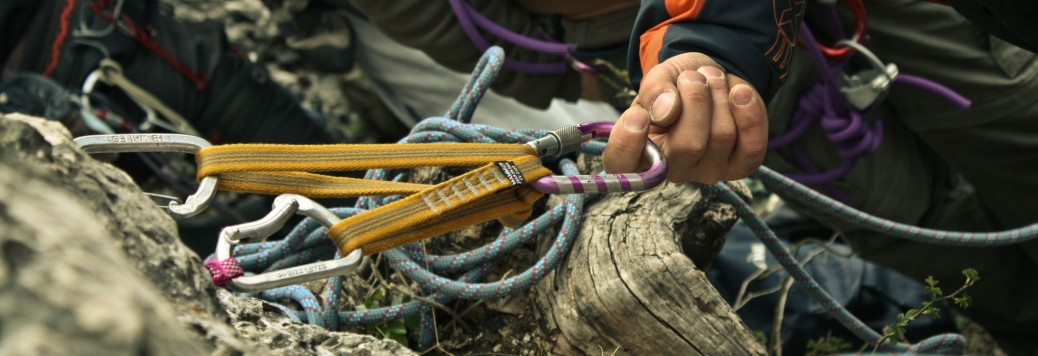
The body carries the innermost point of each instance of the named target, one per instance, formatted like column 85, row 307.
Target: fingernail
column 711, row 72
column 661, row 105
column 742, row 95
column 635, row 120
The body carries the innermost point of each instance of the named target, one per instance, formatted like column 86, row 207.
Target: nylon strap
column 280, row 169
column 494, row 191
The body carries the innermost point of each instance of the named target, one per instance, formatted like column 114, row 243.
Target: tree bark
column 627, row 287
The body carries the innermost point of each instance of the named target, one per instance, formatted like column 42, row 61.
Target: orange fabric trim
column 650, row 42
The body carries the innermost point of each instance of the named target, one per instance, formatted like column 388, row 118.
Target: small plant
column 827, row 345
column 895, row 333
column 761, row 337
column 395, row 330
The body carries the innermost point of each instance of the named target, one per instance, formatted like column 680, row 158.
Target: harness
column 838, row 101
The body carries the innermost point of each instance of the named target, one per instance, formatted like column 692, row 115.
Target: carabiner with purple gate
column 568, row 139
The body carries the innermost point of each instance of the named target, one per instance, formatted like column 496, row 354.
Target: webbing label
column 512, row 172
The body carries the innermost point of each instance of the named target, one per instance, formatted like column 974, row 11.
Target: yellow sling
column 496, row 190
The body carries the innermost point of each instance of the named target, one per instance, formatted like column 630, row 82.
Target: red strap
column 145, row 39
column 55, row 47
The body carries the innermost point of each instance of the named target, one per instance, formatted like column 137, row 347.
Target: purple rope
column 847, row 129
column 471, row 20
column 942, row 91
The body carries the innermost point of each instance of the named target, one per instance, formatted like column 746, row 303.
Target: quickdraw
column 502, row 189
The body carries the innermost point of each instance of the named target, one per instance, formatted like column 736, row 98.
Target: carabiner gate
column 568, row 139
column 284, row 206
column 117, row 143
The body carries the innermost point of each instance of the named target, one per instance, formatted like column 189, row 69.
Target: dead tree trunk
column 628, row 287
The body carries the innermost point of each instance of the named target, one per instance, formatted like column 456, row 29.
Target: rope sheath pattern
column 307, row 242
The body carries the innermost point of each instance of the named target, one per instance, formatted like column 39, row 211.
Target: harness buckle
column 157, row 142
column 284, row 206
column 867, row 87
column 568, row 139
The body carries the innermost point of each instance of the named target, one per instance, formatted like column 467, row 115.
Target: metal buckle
column 117, row 143
column 284, row 206
column 568, row 139
column 868, row 87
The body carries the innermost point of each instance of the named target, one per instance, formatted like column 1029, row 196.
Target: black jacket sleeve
column 753, row 39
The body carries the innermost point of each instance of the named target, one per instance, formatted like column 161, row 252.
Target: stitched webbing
column 279, row 169
column 494, row 191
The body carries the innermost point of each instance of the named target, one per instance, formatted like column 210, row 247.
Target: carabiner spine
column 298, row 274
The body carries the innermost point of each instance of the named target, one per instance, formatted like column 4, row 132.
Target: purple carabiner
column 568, row 139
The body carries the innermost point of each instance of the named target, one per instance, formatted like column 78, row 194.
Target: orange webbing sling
column 496, row 190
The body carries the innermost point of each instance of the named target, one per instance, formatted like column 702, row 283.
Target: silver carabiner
column 117, row 143
column 568, row 139
column 110, row 72
column 284, row 206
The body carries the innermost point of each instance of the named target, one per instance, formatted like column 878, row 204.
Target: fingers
column 688, row 137
column 752, row 125
column 721, row 130
column 658, row 91
column 627, row 140
column 711, row 125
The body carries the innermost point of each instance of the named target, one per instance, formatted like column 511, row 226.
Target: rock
column 88, row 265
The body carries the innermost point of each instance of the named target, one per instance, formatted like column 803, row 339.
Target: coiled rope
column 307, row 242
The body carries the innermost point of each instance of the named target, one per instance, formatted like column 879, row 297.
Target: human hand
column 711, row 126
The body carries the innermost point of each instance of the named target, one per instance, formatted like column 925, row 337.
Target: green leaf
column 402, row 339
column 412, row 322
column 374, row 300
column 897, row 335
column 397, row 328
column 930, row 281
column 972, row 276
column 964, row 301
column 763, row 338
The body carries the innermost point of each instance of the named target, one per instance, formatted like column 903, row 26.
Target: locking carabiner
column 284, row 206
column 568, row 139
column 117, row 143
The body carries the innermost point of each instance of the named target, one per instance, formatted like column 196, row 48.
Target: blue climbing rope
column 307, row 242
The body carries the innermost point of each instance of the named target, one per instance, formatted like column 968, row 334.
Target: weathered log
column 627, row 287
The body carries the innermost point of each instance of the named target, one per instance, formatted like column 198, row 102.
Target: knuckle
column 690, row 148
column 697, row 94
column 723, row 138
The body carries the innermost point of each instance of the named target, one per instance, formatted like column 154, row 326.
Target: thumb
column 623, row 152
